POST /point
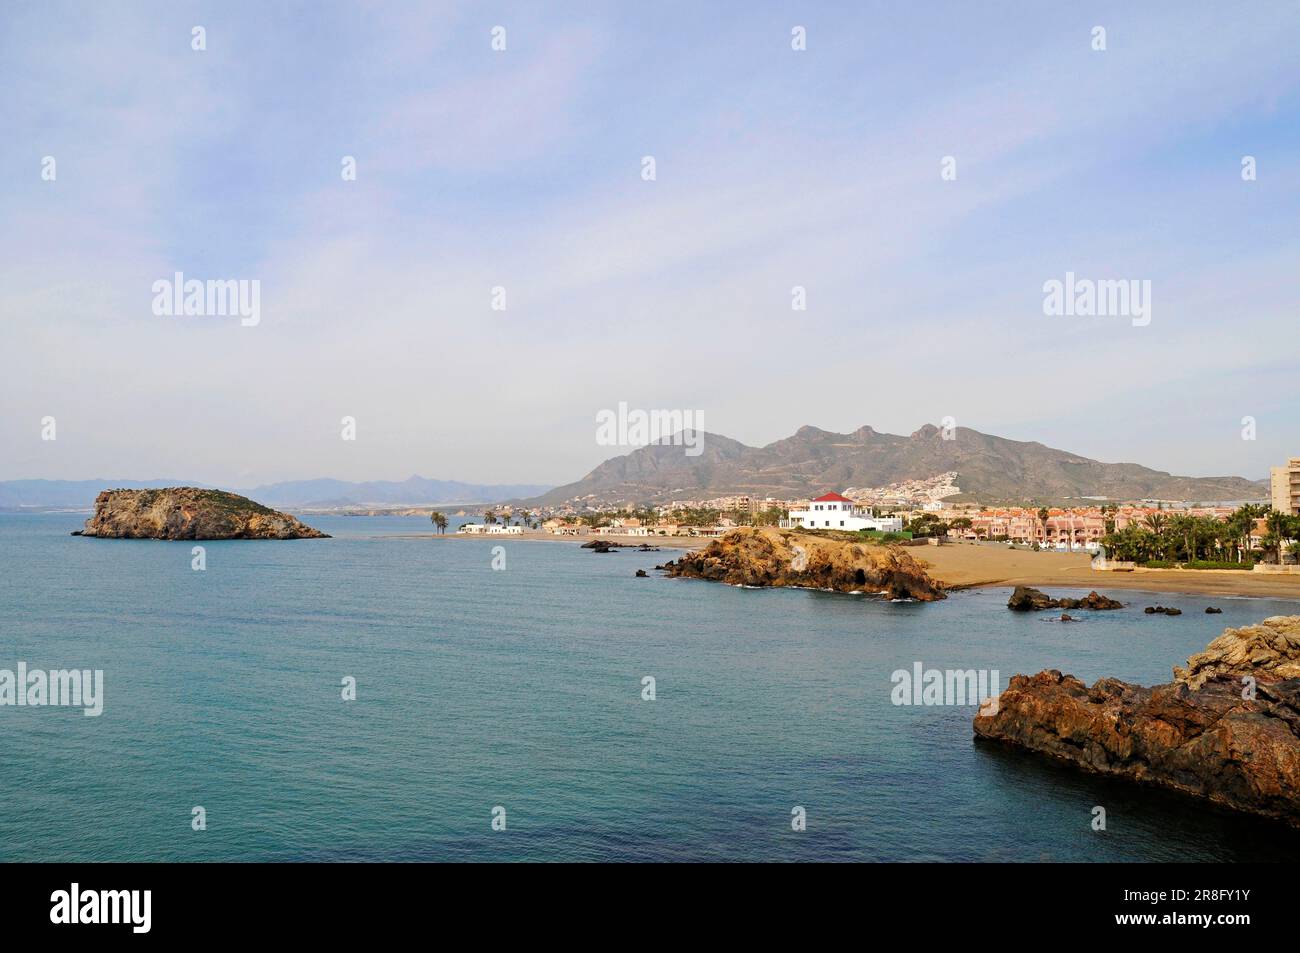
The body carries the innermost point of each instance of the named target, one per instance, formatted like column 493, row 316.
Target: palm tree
column 489, row 517
column 1042, row 518
column 1157, row 522
column 1279, row 526
column 1185, row 526
column 439, row 521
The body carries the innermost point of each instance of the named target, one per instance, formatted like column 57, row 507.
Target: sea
column 386, row 695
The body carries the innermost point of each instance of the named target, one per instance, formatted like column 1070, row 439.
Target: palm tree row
column 1182, row 537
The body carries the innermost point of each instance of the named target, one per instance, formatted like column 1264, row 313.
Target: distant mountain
column 71, row 494
column 812, row 461
column 414, row 489
column 80, row 494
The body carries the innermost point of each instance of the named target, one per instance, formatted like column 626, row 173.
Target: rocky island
column 1226, row 729
column 750, row 556
column 187, row 512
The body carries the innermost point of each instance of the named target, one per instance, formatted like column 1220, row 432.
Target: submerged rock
column 642, row 574
column 1196, row 734
column 1210, row 610
column 753, row 556
column 187, row 512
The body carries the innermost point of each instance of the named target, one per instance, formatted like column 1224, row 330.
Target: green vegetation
column 927, row 524
column 223, row 501
column 1168, row 540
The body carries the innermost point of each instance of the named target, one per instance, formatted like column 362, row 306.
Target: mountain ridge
column 811, row 461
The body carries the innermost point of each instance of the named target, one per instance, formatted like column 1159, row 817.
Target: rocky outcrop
column 188, row 512
column 1197, row 734
column 1269, row 650
column 751, row 556
column 1162, row 610
column 1026, row 599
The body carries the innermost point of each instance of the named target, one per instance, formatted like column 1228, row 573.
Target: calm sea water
column 522, row 688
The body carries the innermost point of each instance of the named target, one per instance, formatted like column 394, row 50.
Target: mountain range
column 808, row 463
column 812, row 461
column 80, row 494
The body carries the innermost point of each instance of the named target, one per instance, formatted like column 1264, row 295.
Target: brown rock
column 188, row 512
column 1270, row 649
column 1026, row 598
column 1196, row 734
column 753, row 556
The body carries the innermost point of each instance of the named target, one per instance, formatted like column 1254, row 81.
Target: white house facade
column 833, row 511
column 481, row 529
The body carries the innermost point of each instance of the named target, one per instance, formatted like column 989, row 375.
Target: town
column 1151, row 533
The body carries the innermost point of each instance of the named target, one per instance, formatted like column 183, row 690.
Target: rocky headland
column 1211, row 732
column 187, row 512
column 751, row 556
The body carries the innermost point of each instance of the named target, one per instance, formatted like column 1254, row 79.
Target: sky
column 481, row 168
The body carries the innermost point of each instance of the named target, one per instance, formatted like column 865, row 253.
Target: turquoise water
column 522, row 688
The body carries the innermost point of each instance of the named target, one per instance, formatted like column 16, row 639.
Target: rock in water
column 753, row 556
column 1196, row 734
column 1028, row 599
column 187, row 512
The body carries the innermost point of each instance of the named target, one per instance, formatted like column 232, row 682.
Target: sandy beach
column 968, row 566
column 962, row 565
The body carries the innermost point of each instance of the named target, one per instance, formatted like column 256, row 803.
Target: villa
column 833, row 511
column 481, row 529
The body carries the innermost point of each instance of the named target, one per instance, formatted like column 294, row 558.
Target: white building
column 480, row 529
column 833, row 511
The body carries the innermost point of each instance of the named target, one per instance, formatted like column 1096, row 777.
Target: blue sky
column 521, row 168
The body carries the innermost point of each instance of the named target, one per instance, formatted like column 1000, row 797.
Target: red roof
column 832, row 498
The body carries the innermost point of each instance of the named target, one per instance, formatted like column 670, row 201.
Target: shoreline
column 961, row 566
column 657, row 542
column 969, row 566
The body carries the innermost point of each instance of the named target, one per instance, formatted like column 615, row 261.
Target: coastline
column 658, row 542
column 970, row 566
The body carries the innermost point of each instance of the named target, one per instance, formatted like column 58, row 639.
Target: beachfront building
column 569, row 529
column 833, row 511
column 486, row 529
column 1285, row 484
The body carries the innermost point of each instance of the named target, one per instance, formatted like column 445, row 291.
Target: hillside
column 812, row 461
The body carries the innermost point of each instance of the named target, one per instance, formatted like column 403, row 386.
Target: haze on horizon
column 522, row 169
